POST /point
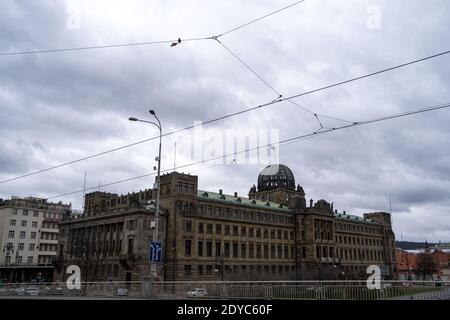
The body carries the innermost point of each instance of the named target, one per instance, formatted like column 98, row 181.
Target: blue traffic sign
column 155, row 251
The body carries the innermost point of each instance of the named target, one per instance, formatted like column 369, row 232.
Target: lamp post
column 8, row 250
column 156, row 228
column 221, row 267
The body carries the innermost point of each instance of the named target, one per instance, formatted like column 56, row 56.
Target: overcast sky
column 58, row 107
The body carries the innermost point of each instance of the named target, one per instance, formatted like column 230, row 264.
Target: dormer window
column 205, row 194
column 254, row 202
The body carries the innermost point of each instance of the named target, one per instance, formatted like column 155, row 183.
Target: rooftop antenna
column 390, row 210
column 84, row 190
column 175, row 157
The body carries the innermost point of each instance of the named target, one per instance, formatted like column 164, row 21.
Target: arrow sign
column 155, row 251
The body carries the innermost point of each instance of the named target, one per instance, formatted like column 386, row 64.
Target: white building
column 28, row 236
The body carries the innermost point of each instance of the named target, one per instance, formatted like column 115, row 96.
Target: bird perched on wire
column 175, row 43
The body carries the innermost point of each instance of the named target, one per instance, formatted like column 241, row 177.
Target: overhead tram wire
column 260, row 18
column 147, row 42
column 278, row 93
column 232, row 115
column 281, row 142
column 99, row 47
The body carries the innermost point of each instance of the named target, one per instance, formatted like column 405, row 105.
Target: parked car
column 197, row 292
column 19, row 291
column 54, row 291
column 32, row 291
column 121, row 292
column 4, row 292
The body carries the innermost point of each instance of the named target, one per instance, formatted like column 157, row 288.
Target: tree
column 426, row 265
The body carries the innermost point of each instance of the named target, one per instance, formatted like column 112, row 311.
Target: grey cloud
column 61, row 106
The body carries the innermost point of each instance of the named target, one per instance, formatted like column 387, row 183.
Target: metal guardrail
column 294, row 290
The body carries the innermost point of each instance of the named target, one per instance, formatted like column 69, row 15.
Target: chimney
column 235, row 194
column 335, row 211
column 345, row 212
column 220, row 191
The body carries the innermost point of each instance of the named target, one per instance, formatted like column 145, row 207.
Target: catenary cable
column 280, row 142
column 233, row 114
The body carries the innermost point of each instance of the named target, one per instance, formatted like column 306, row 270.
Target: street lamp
column 156, row 228
column 8, row 250
column 221, row 267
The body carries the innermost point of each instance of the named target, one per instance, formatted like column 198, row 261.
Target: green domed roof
column 276, row 176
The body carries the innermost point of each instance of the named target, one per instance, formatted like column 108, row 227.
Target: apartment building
column 29, row 231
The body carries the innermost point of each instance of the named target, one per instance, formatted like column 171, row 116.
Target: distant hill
column 410, row 245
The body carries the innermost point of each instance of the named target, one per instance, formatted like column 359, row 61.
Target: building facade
column 408, row 260
column 110, row 241
column 271, row 234
column 29, row 235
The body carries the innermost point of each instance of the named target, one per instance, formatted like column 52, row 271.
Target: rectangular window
column 235, row 231
column 243, row 250
column 208, row 269
column 20, row 247
column 251, row 232
column 200, row 249
column 34, row 224
column 258, row 251
column 14, row 212
column 227, row 230
column 22, row 234
column 33, row 235
column 200, row 228
column 258, row 233
column 35, row 213
column 187, row 270
column 243, row 231
column 18, row 259
column 30, row 260
column 31, row 247
column 266, row 233
column 200, row 270
column 209, row 228
column 218, row 249
column 209, row 249
column 24, row 223
column 188, row 226
column 226, row 249
column 187, row 247
column 25, row 213
column 250, row 250
column 266, row 251
column 218, row 229
column 235, row 250
column 12, row 223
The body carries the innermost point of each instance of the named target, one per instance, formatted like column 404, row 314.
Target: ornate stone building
column 271, row 234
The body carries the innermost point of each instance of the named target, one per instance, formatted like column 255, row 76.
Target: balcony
column 48, row 241
column 49, row 230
